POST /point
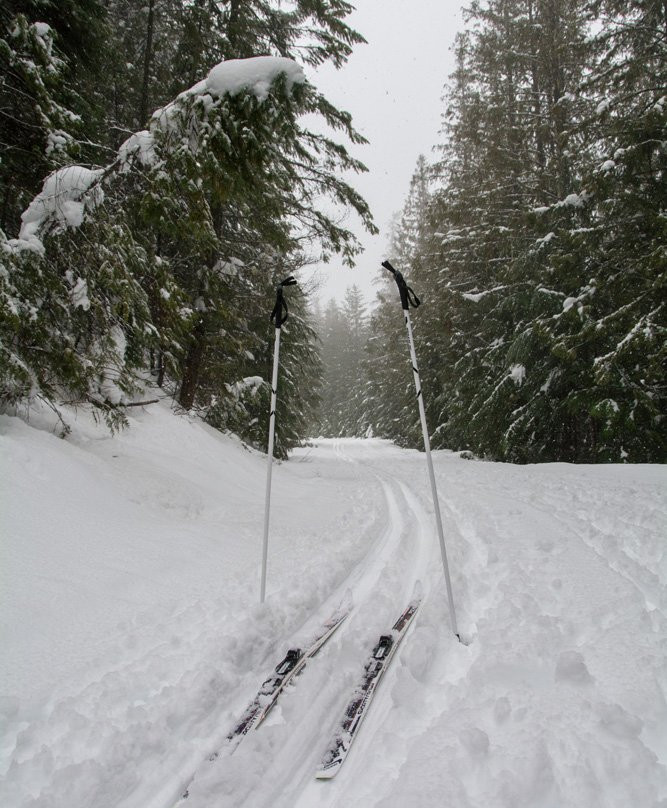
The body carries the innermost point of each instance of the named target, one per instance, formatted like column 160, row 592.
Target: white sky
column 392, row 86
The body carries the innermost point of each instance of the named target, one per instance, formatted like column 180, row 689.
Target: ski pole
column 409, row 298
column 278, row 318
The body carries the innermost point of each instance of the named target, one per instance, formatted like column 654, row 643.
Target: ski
column 357, row 708
column 287, row 669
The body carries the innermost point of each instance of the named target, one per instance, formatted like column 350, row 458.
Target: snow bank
column 132, row 634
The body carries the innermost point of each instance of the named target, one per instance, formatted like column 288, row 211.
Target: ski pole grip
column 280, row 312
column 408, row 297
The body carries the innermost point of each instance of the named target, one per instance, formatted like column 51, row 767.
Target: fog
column 393, row 88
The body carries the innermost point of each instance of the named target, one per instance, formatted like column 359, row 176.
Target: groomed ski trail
column 281, row 758
column 144, row 641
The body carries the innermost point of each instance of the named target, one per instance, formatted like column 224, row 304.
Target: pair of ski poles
column 279, row 317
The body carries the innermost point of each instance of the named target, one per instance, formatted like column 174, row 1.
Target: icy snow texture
column 132, row 638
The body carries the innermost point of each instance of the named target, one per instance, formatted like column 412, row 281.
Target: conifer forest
column 164, row 164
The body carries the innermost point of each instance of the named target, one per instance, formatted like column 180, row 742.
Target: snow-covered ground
column 132, row 638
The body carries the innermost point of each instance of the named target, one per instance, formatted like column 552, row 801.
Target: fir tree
column 47, row 50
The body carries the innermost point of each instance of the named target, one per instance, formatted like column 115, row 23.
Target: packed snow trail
column 133, row 640
column 285, row 751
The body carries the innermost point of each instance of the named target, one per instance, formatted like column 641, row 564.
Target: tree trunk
column 148, row 55
column 192, row 365
column 232, row 29
column 537, row 104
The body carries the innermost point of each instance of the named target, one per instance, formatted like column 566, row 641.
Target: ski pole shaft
column 431, row 473
column 269, row 465
column 278, row 317
column 409, row 298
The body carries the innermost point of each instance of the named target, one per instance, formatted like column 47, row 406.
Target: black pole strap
column 408, row 297
column 280, row 312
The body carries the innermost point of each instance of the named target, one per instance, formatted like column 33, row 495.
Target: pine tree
column 331, row 329
column 236, row 148
column 602, row 386
column 47, row 50
column 389, row 386
column 343, row 335
column 540, row 246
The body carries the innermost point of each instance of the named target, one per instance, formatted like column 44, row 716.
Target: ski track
column 550, row 705
column 380, row 586
column 489, row 591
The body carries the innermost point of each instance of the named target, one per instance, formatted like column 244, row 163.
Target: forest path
column 559, row 581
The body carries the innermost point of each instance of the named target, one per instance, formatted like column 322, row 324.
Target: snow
column 517, row 374
column 108, row 382
column 65, row 196
column 229, row 78
column 230, row 267
column 249, row 385
column 255, row 75
column 79, row 294
column 546, row 239
column 475, row 297
column 140, row 145
column 573, row 201
column 132, row 636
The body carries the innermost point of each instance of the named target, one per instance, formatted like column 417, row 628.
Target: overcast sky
column 392, row 86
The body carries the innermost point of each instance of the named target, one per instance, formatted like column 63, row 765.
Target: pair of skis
column 293, row 664
column 286, row 670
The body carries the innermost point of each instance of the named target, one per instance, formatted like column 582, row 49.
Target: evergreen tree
column 237, row 148
column 332, row 402
column 539, row 251
column 47, row 49
column 344, row 332
column 353, row 341
column 389, row 388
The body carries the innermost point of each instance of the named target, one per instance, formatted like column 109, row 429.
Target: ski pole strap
column 280, row 311
column 408, row 297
